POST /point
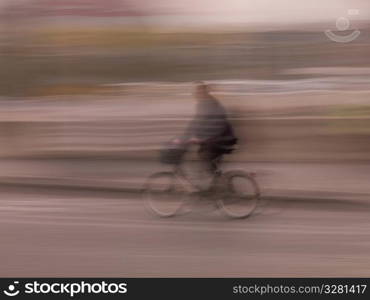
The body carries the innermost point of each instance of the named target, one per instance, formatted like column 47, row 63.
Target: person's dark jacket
column 211, row 125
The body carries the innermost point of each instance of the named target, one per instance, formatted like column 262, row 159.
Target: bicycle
column 235, row 193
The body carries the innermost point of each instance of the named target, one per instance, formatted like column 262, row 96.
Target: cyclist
column 210, row 128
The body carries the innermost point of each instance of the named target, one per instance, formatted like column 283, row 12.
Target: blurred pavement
column 73, row 233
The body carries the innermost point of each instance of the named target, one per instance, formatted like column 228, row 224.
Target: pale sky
column 265, row 10
column 212, row 12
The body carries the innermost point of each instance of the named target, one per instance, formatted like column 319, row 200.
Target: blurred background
column 90, row 90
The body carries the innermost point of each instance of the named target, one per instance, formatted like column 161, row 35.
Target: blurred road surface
column 60, row 232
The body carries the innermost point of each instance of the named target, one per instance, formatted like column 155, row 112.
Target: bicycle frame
column 190, row 186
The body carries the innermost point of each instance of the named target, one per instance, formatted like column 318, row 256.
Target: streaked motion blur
column 90, row 91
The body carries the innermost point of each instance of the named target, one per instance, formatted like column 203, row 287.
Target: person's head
column 201, row 90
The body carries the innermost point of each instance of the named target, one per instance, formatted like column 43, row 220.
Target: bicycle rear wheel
column 163, row 194
column 241, row 196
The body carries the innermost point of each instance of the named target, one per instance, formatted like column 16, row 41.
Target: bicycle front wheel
column 163, row 194
column 241, row 196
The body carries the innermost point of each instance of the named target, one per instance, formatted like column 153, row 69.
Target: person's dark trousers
column 211, row 156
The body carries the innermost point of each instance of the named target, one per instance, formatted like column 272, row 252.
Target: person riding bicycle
column 234, row 192
column 210, row 128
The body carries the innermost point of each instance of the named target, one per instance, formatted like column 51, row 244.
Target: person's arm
column 214, row 120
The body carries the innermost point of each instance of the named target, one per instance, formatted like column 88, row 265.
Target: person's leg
column 215, row 162
column 211, row 156
column 214, row 169
column 207, row 156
